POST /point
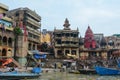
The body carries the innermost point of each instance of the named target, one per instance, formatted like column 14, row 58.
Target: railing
column 70, row 39
column 31, row 30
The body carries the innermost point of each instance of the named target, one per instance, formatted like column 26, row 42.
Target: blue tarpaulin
column 37, row 54
column 36, row 70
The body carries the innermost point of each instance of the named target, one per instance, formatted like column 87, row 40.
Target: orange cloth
column 7, row 62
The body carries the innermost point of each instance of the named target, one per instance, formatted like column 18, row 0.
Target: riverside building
column 6, row 33
column 66, row 41
column 29, row 22
column 95, row 46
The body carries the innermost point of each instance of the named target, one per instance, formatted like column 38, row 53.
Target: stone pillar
column 35, row 46
column 77, row 52
column 55, row 52
column 22, row 51
column 70, row 51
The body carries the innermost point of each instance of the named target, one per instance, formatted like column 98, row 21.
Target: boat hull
column 87, row 71
column 106, row 71
column 19, row 76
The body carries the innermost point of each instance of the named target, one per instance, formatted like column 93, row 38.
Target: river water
column 72, row 76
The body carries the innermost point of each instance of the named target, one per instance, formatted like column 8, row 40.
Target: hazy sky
column 103, row 16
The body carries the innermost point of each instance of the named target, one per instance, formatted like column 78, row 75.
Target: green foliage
column 17, row 31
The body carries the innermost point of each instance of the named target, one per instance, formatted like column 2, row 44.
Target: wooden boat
column 87, row 71
column 18, row 75
column 35, row 73
column 107, row 71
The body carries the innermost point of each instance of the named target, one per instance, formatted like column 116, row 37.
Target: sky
column 103, row 16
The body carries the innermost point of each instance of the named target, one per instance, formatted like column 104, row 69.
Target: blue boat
column 35, row 73
column 107, row 71
column 18, row 75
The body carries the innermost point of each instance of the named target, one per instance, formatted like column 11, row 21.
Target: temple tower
column 89, row 41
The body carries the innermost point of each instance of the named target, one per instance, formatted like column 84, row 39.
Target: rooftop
column 4, row 6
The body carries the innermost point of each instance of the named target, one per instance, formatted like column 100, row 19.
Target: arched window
column 10, row 42
column 4, row 40
column 4, row 52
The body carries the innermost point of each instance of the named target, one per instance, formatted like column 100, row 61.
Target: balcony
column 33, row 22
column 9, row 28
column 7, row 33
column 70, row 39
column 33, row 39
column 7, row 19
column 57, row 45
column 34, row 15
column 33, row 31
column 66, row 45
column 70, row 45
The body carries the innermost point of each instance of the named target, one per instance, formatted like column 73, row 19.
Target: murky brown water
column 71, row 76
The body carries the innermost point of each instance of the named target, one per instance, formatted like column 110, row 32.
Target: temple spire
column 66, row 24
column 89, row 41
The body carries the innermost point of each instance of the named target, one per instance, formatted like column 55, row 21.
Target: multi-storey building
column 6, row 33
column 66, row 41
column 113, row 43
column 29, row 22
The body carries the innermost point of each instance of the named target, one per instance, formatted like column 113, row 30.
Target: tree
column 17, row 31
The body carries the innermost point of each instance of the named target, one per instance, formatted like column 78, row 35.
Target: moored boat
column 19, row 75
column 107, row 71
column 87, row 71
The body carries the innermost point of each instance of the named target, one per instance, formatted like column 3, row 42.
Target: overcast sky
column 103, row 16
